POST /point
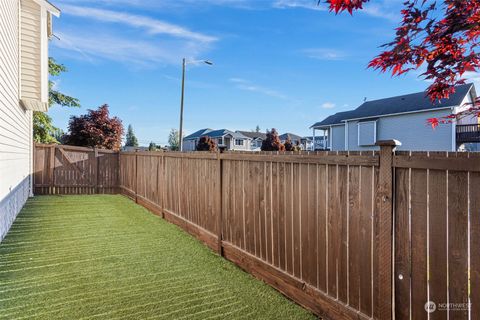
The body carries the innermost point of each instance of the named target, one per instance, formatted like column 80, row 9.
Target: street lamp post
column 184, row 66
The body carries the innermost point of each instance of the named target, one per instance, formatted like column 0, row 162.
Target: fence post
column 383, row 232
column 136, row 176
column 52, row 169
column 220, row 204
column 97, row 169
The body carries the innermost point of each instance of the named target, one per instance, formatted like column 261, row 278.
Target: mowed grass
column 104, row 257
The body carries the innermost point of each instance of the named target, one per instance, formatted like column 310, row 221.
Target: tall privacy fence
column 355, row 235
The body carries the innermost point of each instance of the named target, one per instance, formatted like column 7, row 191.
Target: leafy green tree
column 55, row 97
column 174, row 140
column 257, row 129
column 152, row 146
column 43, row 129
column 132, row 140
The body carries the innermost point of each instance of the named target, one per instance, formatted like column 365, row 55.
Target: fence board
column 458, row 241
column 438, row 240
column 475, row 243
column 418, row 214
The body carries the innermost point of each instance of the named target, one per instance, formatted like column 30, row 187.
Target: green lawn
column 104, row 257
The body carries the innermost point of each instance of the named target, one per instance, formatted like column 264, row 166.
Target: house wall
column 411, row 130
column 15, row 122
column 189, row 145
column 31, row 51
column 245, row 147
column 338, row 138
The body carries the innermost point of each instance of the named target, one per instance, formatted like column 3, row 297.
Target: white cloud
column 381, row 10
column 328, row 105
column 325, row 54
column 156, row 4
column 246, row 85
column 91, row 47
column 305, row 4
column 155, row 43
column 152, row 26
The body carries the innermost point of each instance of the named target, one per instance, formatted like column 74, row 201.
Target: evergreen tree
column 174, row 140
column 132, row 140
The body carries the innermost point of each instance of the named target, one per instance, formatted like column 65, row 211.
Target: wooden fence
column 74, row 170
column 324, row 228
column 305, row 224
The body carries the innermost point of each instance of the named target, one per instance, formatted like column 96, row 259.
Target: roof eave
column 49, row 7
column 399, row 113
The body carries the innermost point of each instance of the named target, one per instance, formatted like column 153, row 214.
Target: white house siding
column 15, row 122
column 245, row 147
column 411, row 130
column 31, row 51
column 338, row 138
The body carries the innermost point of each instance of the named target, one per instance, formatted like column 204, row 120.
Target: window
column 238, row 142
column 220, row 141
column 367, row 133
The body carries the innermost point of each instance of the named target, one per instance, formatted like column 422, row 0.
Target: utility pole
column 180, row 133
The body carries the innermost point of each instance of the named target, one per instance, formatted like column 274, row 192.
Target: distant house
column 224, row 138
column 320, row 143
column 25, row 28
column 256, row 139
column 403, row 118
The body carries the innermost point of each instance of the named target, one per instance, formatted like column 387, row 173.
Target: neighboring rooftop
column 406, row 103
column 292, row 136
column 214, row 134
column 253, row 134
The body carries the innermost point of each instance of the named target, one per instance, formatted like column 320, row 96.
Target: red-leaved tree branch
column 442, row 36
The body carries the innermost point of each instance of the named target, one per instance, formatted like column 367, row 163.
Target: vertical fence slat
column 354, row 241
column 475, row 243
column 322, row 225
column 458, row 242
column 419, row 243
column 438, row 240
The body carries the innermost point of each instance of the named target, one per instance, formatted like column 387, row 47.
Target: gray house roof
column 214, row 134
column 197, row 134
column 254, row 135
column 334, row 119
column 293, row 137
column 407, row 103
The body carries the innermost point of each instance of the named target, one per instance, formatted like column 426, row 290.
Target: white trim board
column 49, row 7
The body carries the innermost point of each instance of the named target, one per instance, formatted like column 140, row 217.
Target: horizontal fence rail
column 321, row 227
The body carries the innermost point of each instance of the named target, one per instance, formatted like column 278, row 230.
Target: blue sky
column 278, row 63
